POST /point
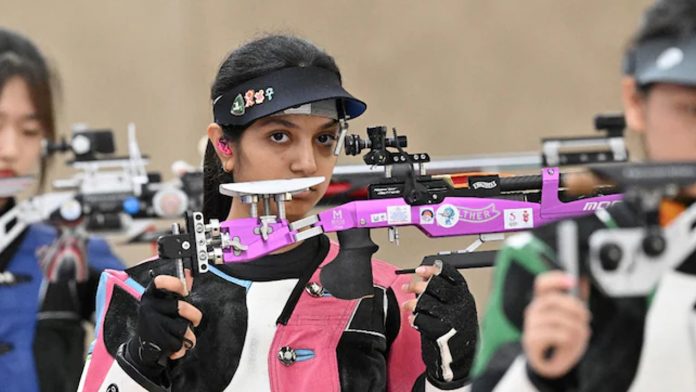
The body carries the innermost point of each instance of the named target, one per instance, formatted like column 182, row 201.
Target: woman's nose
column 304, row 161
column 9, row 149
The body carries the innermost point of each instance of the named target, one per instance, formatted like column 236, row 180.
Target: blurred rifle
column 629, row 261
column 111, row 190
column 353, row 182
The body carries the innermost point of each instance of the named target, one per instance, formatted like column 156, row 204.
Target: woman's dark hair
column 254, row 59
column 20, row 58
column 666, row 19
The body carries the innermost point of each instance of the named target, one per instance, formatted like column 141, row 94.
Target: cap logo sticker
column 238, row 106
column 249, row 99
column 258, row 97
column 670, row 58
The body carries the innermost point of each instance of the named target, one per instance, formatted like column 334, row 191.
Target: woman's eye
column 279, row 137
column 31, row 132
column 688, row 108
column 326, row 139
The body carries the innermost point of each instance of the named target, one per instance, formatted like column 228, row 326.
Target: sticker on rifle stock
column 519, row 218
column 337, row 218
column 427, row 216
column 447, row 215
column 478, row 215
column 376, row 218
column 397, row 215
column 484, row 185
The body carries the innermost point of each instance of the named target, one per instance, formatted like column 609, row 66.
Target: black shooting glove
column 159, row 333
column 446, row 317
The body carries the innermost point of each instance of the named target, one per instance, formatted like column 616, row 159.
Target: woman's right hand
column 164, row 327
column 556, row 326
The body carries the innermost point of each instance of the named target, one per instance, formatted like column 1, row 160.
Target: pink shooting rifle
column 503, row 205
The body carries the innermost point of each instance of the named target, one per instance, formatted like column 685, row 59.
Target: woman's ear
column 634, row 104
column 223, row 146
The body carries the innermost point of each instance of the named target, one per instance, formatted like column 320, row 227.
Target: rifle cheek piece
column 349, row 275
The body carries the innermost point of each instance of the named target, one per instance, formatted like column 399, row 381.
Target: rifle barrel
column 449, row 165
column 526, row 182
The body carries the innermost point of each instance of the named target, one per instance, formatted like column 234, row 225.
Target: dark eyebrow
column 291, row 125
column 278, row 121
column 28, row 117
column 329, row 124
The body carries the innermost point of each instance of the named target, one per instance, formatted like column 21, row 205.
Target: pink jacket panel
column 317, row 324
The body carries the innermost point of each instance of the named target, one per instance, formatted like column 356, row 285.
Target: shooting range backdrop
column 456, row 76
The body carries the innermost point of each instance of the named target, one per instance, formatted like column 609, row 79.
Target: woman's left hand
column 444, row 312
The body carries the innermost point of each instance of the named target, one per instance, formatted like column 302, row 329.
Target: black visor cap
column 281, row 90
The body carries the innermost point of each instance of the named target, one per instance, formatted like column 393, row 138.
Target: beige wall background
column 457, row 76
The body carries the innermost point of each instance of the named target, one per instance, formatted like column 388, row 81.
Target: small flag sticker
column 238, row 106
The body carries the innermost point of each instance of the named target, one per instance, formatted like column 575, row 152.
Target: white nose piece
column 270, row 187
column 10, row 186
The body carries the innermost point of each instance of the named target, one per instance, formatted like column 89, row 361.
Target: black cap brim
column 664, row 61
